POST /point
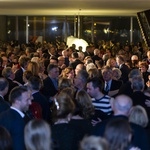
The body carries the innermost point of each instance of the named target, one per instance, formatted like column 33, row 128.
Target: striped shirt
column 103, row 104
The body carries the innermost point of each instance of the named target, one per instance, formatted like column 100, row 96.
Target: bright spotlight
column 54, row 28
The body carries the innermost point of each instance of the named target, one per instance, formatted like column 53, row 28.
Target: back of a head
column 7, row 72
column 37, row 135
column 64, row 105
column 133, row 73
column 138, row 115
column 3, row 84
column 75, row 55
column 118, row 134
column 64, row 83
column 137, row 83
column 69, row 91
column 33, row 67
column 93, row 143
column 93, row 73
column 34, row 83
column 5, row 139
column 90, row 66
column 122, row 105
column 84, row 102
column 83, row 75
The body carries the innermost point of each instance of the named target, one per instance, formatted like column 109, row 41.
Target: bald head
column 122, row 105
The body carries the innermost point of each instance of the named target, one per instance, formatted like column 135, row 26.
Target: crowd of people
column 54, row 97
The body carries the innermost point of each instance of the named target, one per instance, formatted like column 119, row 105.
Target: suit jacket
column 11, row 86
column 3, row 105
column 75, row 63
column 115, row 85
column 15, row 124
column 126, row 89
column 125, row 71
column 48, row 89
column 19, row 76
column 41, row 99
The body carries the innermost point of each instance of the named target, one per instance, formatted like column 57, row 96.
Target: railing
column 144, row 23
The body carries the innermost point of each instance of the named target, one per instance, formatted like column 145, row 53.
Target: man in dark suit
column 111, row 86
column 76, row 60
column 121, row 106
column 3, row 91
column 50, row 84
column 12, row 119
column 23, row 62
column 124, row 68
column 35, row 85
column 9, row 76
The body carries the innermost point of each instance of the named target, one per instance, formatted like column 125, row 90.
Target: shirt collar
column 1, row 96
column 21, row 113
column 23, row 69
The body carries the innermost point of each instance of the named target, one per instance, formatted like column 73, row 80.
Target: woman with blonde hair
column 111, row 62
column 42, row 74
column 90, row 66
column 34, row 68
column 37, row 135
column 138, row 115
column 93, row 143
column 68, row 73
column 116, row 73
column 93, row 72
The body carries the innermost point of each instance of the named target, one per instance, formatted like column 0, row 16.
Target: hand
column 135, row 148
column 94, row 122
column 147, row 102
column 148, row 84
column 63, row 66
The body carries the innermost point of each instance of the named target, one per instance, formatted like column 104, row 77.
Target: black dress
column 64, row 137
column 83, row 126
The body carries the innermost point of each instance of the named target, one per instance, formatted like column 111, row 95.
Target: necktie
column 107, row 87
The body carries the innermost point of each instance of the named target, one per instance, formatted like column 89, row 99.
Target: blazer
column 19, row 76
column 75, row 63
column 125, row 71
column 41, row 99
column 15, row 124
column 11, row 86
column 3, row 105
column 48, row 89
column 114, row 87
